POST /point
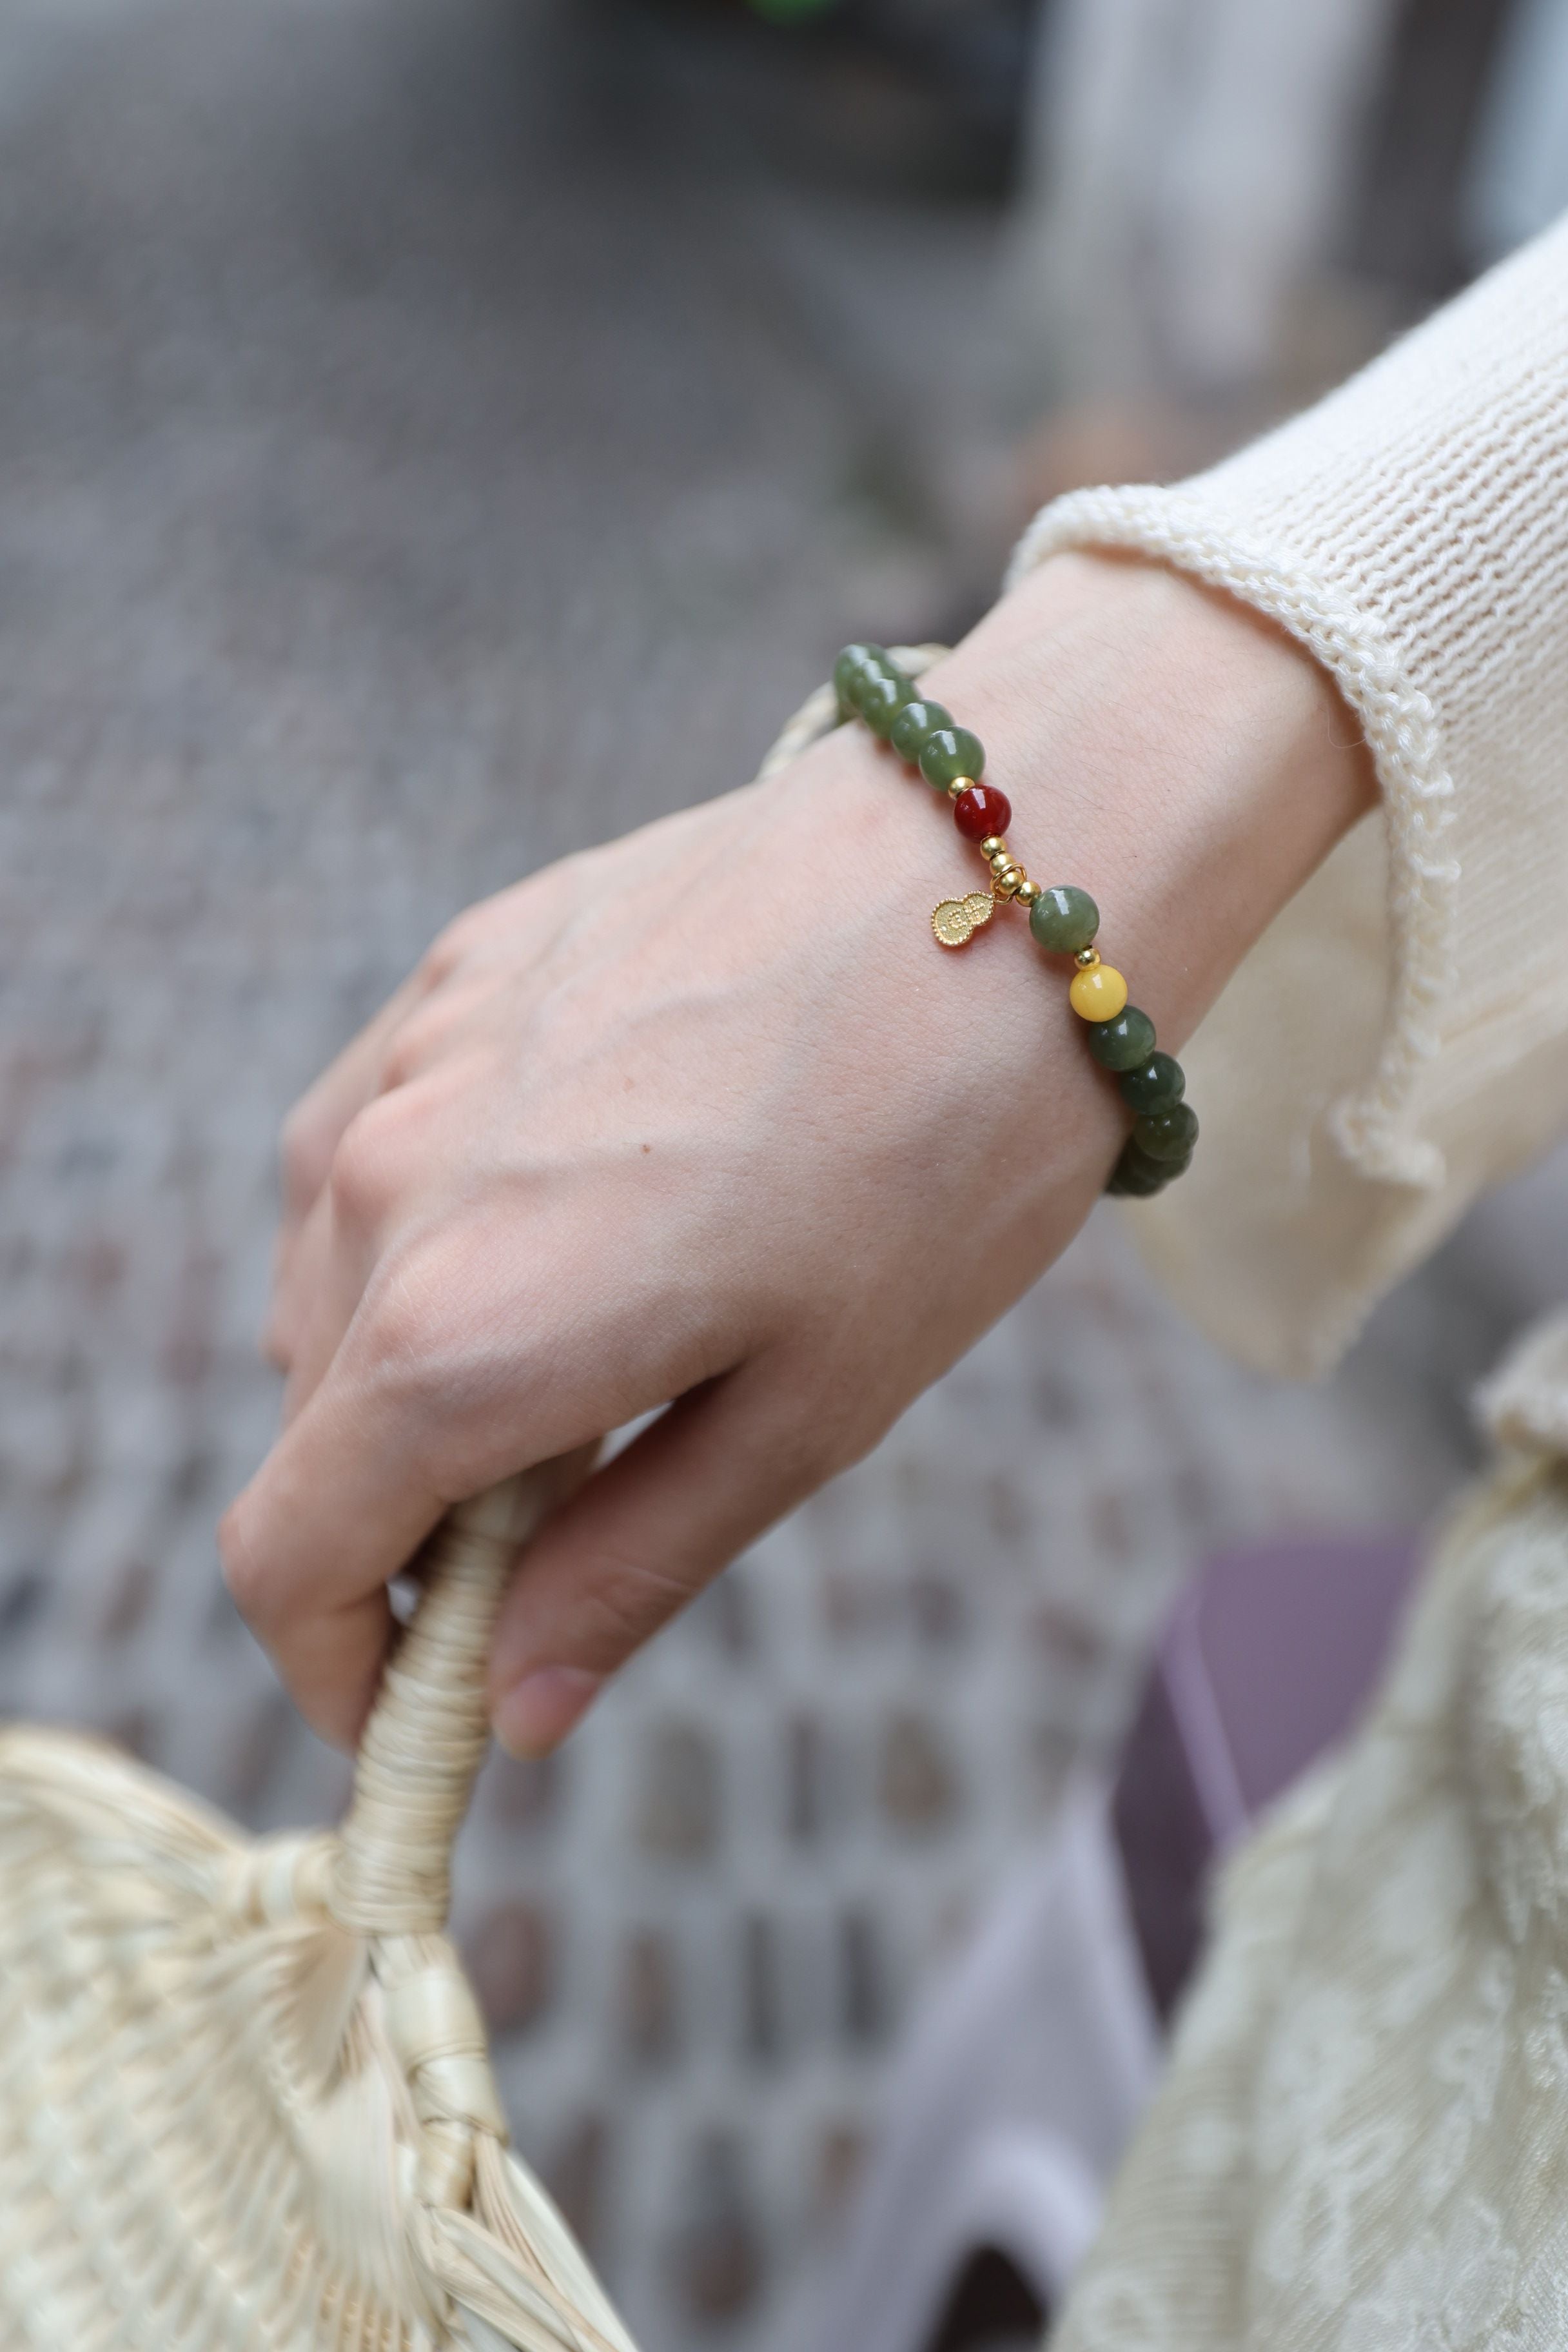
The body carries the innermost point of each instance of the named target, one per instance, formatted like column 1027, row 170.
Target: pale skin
column 705, row 1119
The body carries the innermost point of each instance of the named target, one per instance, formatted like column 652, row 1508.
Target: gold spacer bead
column 1026, row 892
column 1001, row 861
column 1010, row 881
column 1087, row 958
column 990, row 845
column 960, row 784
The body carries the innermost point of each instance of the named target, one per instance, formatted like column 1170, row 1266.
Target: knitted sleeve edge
column 1373, row 1126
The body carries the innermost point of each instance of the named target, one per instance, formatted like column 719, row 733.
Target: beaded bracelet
column 1064, row 919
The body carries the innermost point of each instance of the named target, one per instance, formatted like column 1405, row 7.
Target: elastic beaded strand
column 1063, row 920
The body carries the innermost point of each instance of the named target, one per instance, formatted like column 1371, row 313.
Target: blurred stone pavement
column 433, row 435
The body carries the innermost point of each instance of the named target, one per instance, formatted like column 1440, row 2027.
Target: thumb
column 639, row 1542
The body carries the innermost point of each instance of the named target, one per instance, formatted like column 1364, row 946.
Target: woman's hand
column 705, row 1119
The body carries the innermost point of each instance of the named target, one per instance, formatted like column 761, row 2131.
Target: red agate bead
column 980, row 812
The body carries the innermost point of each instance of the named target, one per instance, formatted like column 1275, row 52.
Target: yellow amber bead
column 1097, row 995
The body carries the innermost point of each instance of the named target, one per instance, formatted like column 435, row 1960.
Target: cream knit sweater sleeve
column 1398, row 1040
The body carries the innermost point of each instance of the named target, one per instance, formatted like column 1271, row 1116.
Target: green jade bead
column 1122, row 1043
column 1167, row 1134
column 1157, row 1084
column 951, row 753
column 882, row 695
column 848, row 669
column 1139, row 1176
column 1133, row 1177
column 875, row 666
column 1167, row 1171
column 915, row 725
column 1063, row 920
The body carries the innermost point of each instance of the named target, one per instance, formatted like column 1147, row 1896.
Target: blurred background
column 436, row 434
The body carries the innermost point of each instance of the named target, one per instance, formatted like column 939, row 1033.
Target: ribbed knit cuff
column 1370, row 1125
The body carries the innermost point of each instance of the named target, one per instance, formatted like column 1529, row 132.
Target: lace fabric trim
column 1362, row 2145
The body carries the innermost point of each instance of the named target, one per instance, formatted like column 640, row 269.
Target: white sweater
column 1398, row 1040
column 1362, row 2144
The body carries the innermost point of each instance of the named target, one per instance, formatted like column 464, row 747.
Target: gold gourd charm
column 956, row 921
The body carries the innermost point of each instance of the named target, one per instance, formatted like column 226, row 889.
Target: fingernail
column 538, row 1712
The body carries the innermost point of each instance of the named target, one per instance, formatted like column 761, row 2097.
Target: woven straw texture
column 246, row 2103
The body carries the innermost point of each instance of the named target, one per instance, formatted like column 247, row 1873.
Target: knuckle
column 401, row 1338
column 419, row 1040
column 304, row 1153
column 404, row 1057
column 280, row 1338
column 369, row 1166
column 450, row 949
column 245, row 1570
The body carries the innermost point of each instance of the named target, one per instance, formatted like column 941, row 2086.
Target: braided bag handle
column 429, row 1727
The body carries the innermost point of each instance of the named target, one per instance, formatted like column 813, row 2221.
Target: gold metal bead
column 960, row 784
column 992, row 844
column 1087, row 958
column 1010, row 881
column 1000, row 859
column 1026, row 892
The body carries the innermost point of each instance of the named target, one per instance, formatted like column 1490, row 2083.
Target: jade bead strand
column 1063, row 920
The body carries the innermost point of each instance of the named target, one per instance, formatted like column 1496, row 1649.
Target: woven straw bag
column 246, row 2103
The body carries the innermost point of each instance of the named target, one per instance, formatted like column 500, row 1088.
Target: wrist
column 1168, row 750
